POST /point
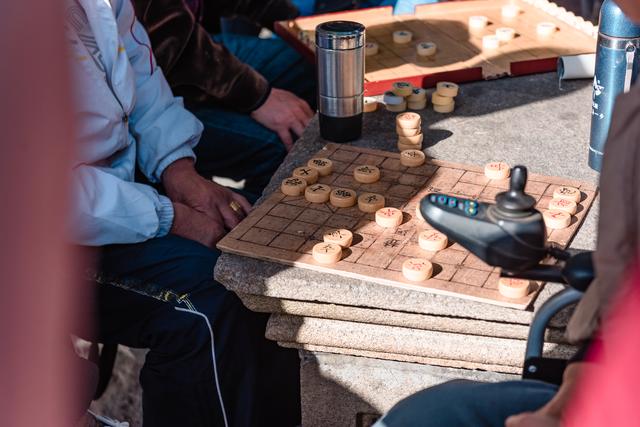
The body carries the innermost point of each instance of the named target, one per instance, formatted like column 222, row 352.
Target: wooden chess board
column 460, row 57
column 284, row 229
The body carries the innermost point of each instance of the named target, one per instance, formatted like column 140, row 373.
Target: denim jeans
column 465, row 403
column 234, row 145
column 209, row 363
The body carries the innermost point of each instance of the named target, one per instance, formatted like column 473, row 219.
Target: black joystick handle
column 516, row 201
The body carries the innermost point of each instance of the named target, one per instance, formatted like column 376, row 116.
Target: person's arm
column 199, row 69
column 263, row 12
column 108, row 210
column 551, row 414
column 164, row 130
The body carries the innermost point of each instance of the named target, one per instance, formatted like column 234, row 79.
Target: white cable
column 213, row 358
column 108, row 421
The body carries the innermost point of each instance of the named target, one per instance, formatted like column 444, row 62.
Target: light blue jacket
column 126, row 116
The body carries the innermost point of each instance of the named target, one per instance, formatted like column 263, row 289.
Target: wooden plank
column 284, row 229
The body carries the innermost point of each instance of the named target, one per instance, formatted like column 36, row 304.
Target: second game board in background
column 460, row 56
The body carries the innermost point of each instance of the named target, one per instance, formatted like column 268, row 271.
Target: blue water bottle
column 617, row 66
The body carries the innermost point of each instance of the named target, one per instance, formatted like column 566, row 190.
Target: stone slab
column 443, row 363
column 248, row 276
column 349, row 391
column 393, row 341
column 394, row 318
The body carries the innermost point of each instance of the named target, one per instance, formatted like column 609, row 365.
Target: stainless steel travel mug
column 340, row 60
column 617, row 67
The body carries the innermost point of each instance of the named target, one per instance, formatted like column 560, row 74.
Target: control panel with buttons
column 467, row 207
column 508, row 234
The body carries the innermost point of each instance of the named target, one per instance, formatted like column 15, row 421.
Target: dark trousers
column 233, row 144
column 209, row 363
column 463, row 403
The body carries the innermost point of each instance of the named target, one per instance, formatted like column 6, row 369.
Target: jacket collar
column 102, row 20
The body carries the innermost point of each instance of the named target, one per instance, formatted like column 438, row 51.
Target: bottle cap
column 340, row 35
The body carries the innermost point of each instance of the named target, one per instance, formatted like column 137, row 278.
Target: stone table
column 363, row 345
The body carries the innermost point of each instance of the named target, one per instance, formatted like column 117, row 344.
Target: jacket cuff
column 165, row 216
column 262, row 100
column 279, row 11
column 250, row 91
column 180, row 153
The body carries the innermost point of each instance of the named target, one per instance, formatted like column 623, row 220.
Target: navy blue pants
column 234, row 145
column 463, row 403
column 209, row 363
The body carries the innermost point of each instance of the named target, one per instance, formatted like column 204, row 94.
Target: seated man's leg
column 161, row 295
column 468, row 404
column 278, row 62
column 234, row 145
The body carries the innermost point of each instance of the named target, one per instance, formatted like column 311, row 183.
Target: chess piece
column 342, row 198
column 513, row 288
column 341, row 237
column 310, row 175
column 388, row 217
column 432, row 240
column 327, row 253
column 317, row 193
column 417, row 269
column 293, row 186
column 497, row 170
column 567, row 193
column 370, row 202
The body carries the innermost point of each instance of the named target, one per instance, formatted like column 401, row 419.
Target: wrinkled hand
column 194, row 225
column 283, row 113
column 198, row 201
column 532, row 419
column 550, row 415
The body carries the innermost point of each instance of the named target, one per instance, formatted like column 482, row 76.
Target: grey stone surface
column 456, row 347
column 394, row 318
column 347, row 391
column 249, row 276
column 526, row 120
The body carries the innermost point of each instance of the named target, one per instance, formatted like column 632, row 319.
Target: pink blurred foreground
column 38, row 294
column 610, row 396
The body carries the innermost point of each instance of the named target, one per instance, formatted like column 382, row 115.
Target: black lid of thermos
column 340, row 35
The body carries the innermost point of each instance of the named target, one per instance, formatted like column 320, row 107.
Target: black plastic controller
column 508, row 234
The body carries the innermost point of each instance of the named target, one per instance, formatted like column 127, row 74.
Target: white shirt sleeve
column 110, row 210
column 165, row 131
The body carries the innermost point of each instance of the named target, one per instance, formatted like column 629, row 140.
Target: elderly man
column 155, row 220
column 251, row 94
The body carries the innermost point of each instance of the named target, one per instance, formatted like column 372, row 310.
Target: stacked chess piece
column 443, row 99
column 403, row 95
column 409, row 130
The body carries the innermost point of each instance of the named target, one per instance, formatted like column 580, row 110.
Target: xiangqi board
column 285, row 229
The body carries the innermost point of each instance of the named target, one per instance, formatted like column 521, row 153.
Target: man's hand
column 532, row 419
column 204, row 200
column 194, row 225
column 283, row 113
column 550, row 415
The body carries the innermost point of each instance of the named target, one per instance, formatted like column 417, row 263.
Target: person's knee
column 433, row 404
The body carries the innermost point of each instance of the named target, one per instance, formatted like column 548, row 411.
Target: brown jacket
column 619, row 221
column 197, row 68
